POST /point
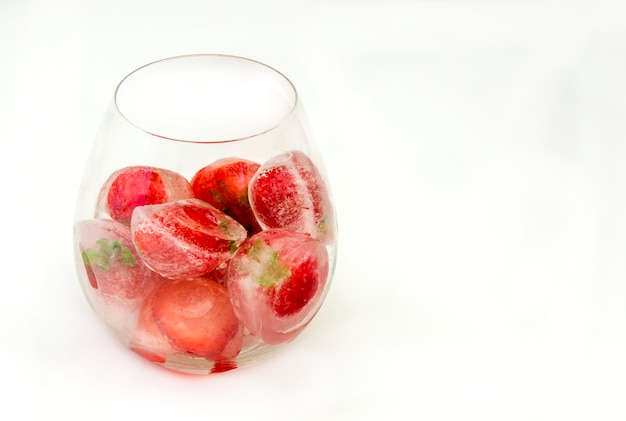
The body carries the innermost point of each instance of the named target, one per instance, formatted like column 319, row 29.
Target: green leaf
column 85, row 257
column 322, row 226
column 255, row 249
column 108, row 252
column 274, row 271
column 91, row 256
column 116, row 247
column 127, row 257
column 104, row 247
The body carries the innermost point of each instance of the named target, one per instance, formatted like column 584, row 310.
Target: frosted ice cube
column 288, row 192
column 184, row 239
column 112, row 265
column 276, row 282
column 134, row 186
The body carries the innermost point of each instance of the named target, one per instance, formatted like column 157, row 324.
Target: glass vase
column 205, row 234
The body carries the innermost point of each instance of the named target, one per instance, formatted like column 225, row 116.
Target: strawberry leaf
column 91, row 256
column 107, row 252
column 127, row 257
column 274, row 271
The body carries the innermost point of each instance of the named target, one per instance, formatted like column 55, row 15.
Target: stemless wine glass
column 205, row 234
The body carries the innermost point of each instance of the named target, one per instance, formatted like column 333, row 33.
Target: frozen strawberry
column 288, row 192
column 135, row 186
column 184, row 239
column 197, row 317
column 112, row 264
column 224, row 184
column 276, row 281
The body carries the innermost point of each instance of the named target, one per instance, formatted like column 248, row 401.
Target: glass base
column 196, row 365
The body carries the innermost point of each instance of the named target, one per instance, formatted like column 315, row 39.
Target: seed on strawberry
column 288, row 192
column 276, row 280
column 184, row 239
column 130, row 187
column 197, row 317
column 224, row 184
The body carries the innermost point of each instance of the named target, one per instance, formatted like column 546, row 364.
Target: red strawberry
column 224, row 184
column 111, row 262
column 197, row 317
column 184, row 239
column 276, row 281
column 135, row 186
column 288, row 192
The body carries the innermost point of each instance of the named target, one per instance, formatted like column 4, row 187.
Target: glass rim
column 272, row 127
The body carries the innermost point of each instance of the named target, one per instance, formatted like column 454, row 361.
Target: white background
column 477, row 152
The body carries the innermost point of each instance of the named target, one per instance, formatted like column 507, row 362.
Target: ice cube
column 112, row 265
column 184, row 239
column 288, row 192
column 276, row 281
column 134, row 186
